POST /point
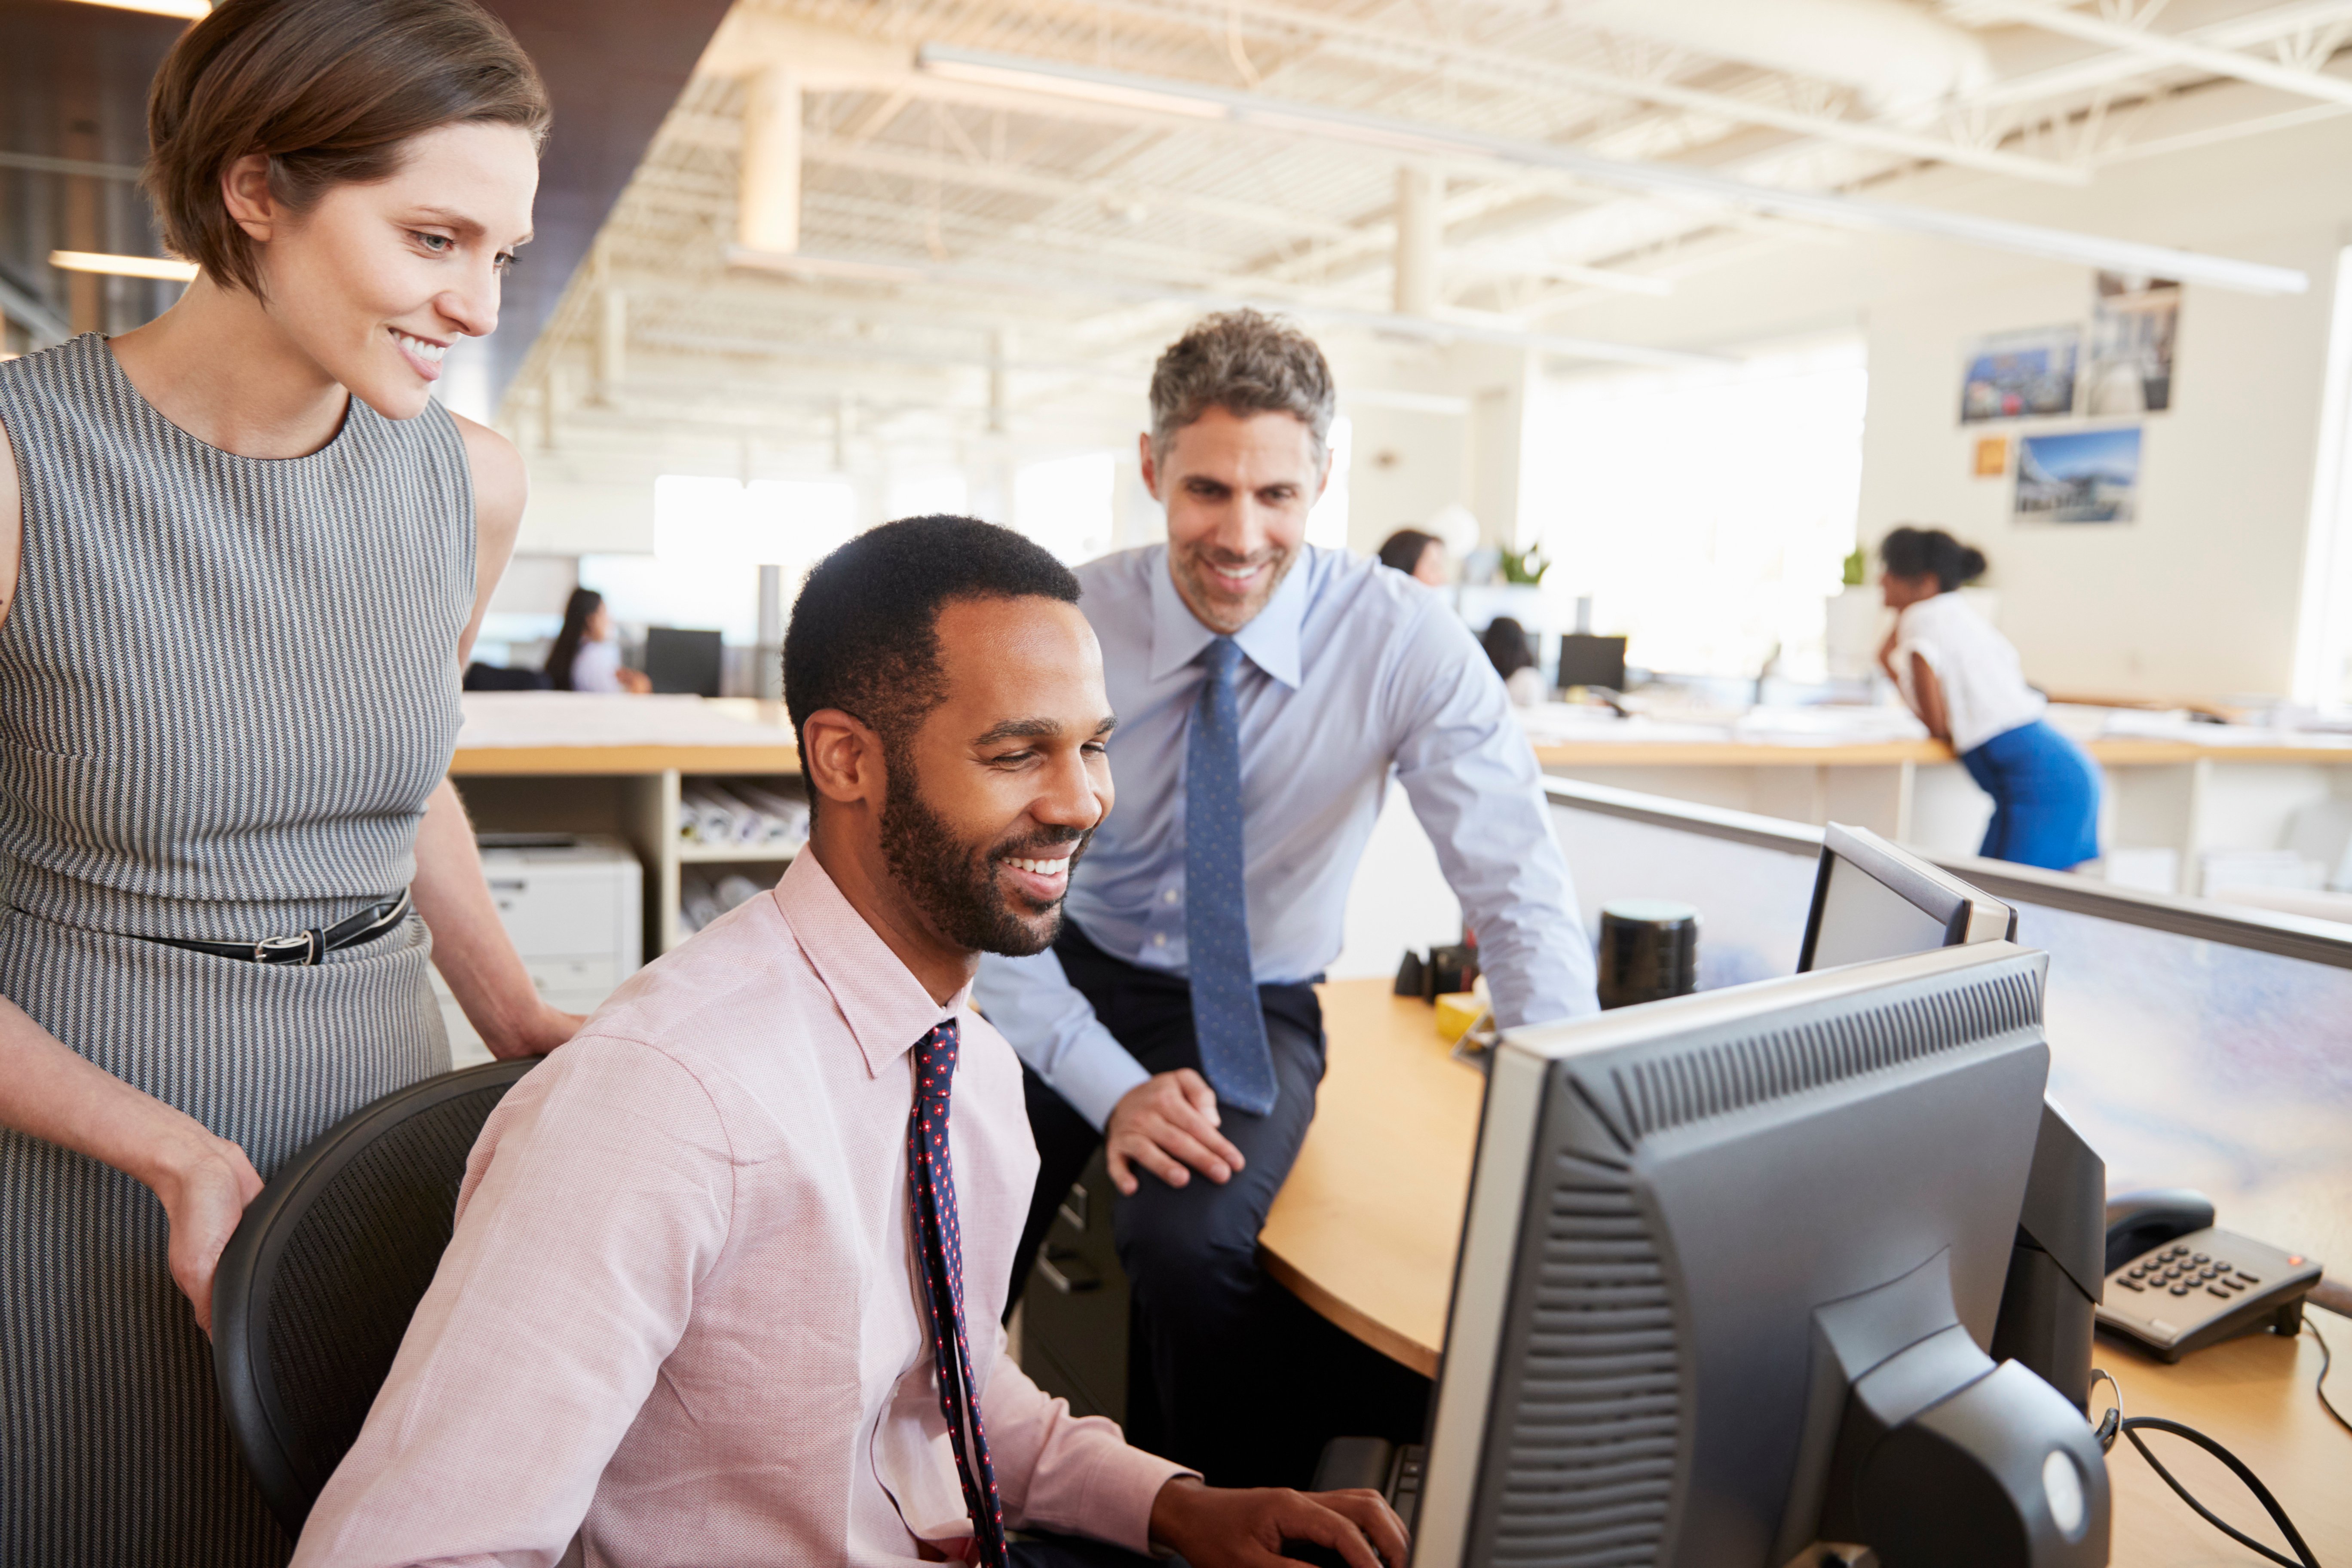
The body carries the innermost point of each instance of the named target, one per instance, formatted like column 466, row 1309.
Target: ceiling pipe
column 1425, row 140
column 1426, row 328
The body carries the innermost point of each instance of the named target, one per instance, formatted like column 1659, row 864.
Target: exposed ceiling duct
column 1898, row 56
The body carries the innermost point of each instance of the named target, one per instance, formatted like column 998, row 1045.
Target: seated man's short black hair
column 865, row 630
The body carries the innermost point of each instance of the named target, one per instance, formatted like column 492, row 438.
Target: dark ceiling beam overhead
column 614, row 67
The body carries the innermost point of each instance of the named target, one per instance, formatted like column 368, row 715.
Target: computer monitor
column 1588, row 660
column 1728, row 1262
column 1873, row 900
column 683, row 661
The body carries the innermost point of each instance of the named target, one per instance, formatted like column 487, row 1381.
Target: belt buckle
column 278, row 949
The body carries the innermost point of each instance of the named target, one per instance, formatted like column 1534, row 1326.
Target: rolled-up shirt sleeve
column 598, row 1196
column 1053, row 1028
column 1471, row 775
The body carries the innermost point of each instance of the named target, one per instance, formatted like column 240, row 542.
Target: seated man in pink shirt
column 725, row 1285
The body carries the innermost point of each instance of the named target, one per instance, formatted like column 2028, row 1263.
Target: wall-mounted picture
column 1992, row 457
column 2020, row 374
column 2079, row 475
column 2134, row 319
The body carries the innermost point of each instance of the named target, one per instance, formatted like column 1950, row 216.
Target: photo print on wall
column 2134, row 319
column 2021, row 375
column 2079, row 475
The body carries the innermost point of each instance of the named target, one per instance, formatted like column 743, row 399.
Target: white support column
column 1420, row 198
column 770, row 640
column 1000, row 382
column 768, row 204
column 612, row 342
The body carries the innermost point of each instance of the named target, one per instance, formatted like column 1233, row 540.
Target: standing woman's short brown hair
column 330, row 92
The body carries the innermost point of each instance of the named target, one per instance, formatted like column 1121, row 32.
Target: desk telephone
column 2174, row 1283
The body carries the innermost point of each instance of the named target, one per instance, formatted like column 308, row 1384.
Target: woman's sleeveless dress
column 228, row 687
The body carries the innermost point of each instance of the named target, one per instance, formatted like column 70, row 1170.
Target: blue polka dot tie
column 931, row 1210
column 1225, row 1016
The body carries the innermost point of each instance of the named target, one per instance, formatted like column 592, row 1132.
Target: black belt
column 306, row 947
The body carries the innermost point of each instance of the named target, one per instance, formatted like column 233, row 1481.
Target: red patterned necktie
column 931, row 1210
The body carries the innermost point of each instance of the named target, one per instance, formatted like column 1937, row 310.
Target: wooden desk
column 1366, row 1227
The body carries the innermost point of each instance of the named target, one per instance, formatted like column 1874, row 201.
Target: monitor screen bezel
column 1967, row 914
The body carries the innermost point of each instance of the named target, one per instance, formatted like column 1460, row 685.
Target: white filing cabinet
column 574, row 905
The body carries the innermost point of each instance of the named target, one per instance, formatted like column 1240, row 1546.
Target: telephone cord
column 2115, row 1422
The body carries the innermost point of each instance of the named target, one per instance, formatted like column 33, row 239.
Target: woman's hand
column 545, row 1030
column 204, row 1185
column 635, row 681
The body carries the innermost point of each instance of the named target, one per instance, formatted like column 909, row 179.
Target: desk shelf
column 692, row 853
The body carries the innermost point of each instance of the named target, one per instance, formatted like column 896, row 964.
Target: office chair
column 316, row 1287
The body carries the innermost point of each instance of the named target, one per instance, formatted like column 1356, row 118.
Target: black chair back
column 316, row 1287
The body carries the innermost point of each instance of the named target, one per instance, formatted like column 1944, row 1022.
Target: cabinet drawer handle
column 1069, row 1285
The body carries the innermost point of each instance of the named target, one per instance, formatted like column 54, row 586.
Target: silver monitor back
column 1873, row 900
column 1664, row 1197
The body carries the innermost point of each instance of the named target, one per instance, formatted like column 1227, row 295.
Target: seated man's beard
column 955, row 884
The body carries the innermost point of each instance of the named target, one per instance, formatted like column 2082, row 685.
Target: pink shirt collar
column 886, row 1008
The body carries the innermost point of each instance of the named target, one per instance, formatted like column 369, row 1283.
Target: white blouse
column 597, row 668
column 1985, row 692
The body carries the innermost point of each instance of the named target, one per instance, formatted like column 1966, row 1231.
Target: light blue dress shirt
column 1353, row 671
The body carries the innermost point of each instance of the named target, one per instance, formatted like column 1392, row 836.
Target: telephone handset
column 2176, row 1283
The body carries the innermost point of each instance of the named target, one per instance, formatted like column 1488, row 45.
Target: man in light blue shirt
column 1267, row 690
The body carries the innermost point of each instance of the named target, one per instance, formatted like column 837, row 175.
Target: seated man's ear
column 842, row 758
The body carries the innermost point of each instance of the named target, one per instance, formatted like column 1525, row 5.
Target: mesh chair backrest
column 317, row 1287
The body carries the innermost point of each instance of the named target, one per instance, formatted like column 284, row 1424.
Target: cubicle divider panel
column 1751, row 893
column 2194, row 1044
column 2197, row 1063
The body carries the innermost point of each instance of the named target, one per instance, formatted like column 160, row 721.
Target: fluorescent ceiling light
column 1429, row 328
column 123, row 265
column 1843, row 211
column 189, row 9
column 954, row 65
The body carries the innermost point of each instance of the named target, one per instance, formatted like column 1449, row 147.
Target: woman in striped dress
column 242, row 556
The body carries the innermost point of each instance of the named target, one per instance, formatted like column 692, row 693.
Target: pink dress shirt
column 678, row 1323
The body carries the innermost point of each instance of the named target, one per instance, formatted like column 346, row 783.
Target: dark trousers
column 1245, row 1382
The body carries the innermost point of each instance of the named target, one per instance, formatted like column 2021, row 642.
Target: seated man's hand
column 1217, row 1527
column 1164, row 1123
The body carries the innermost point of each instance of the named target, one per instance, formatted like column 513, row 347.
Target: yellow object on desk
column 1456, row 1011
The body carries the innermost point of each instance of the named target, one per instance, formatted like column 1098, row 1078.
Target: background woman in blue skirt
column 1963, row 679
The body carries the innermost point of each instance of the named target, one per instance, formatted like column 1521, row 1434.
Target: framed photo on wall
column 2134, row 321
column 2020, row 376
column 2079, row 475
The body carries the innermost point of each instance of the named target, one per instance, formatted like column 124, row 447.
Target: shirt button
column 1159, row 939
column 1169, row 897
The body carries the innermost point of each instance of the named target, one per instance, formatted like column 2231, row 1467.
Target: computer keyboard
column 1392, row 1469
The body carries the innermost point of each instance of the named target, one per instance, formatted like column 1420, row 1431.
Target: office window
column 944, row 493
column 2323, row 664
column 1327, row 525
column 711, row 536
column 1065, row 504
column 1707, row 513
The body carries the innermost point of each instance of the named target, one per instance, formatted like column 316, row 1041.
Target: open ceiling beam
column 1422, row 139
column 2145, row 43
column 1372, row 43
column 1438, row 330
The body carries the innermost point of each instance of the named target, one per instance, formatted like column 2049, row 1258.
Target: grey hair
column 1245, row 361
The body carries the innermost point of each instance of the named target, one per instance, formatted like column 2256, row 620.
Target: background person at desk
column 586, row 656
column 1265, row 690
column 1963, row 679
column 1420, row 556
